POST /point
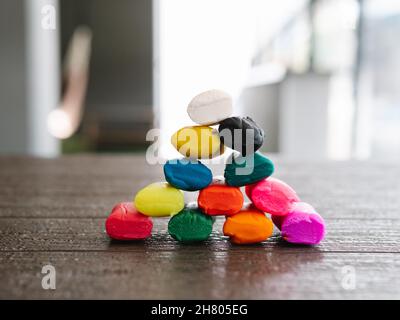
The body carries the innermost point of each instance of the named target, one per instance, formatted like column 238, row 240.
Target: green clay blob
column 244, row 170
column 190, row 225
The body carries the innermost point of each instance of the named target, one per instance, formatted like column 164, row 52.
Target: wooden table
column 53, row 212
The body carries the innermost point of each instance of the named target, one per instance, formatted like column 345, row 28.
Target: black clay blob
column 232, row 133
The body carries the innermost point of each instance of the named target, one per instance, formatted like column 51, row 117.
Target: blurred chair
column 65, row 120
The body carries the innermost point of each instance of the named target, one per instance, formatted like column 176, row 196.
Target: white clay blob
column 210, row 107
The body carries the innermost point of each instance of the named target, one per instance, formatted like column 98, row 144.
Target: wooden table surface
column 53, row 212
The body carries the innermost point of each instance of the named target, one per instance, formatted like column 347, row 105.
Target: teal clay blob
column 190, row 225
column 247, row 170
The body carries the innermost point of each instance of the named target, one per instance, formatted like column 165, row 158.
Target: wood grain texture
column 190, row 272
column 55, row 234
column 53, row 211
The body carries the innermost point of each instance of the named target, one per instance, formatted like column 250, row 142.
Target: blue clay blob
column 187, row 174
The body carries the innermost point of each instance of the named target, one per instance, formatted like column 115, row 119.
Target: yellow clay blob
column 159, row 199
column 199, row 142
column 248, row 226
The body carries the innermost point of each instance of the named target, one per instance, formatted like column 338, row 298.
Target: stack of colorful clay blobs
column 298, row 221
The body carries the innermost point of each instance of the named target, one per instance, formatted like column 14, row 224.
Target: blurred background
column 321, row 77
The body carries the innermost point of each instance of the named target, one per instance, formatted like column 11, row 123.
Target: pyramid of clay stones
column 272, row 201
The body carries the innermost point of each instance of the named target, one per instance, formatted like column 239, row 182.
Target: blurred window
column 380, row 78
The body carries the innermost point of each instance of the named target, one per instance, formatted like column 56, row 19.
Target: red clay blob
column 126, row 223
column 220, row 199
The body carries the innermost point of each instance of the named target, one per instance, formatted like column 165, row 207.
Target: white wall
column 43, row 74
column 29, row 78
column 13, row 113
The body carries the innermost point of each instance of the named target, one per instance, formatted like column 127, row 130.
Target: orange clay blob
column 220, row 199
column 248, row 226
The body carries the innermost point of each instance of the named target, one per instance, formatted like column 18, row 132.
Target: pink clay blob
column 272, row 196
column 302, row 225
